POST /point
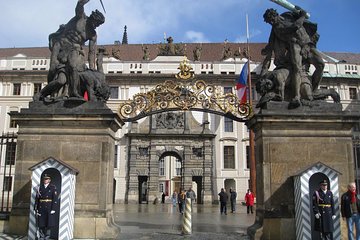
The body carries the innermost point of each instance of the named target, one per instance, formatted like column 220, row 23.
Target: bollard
column 186, row 227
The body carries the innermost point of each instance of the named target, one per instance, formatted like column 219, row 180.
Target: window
column 229, row 124
column 7, row 184
column 10, row 153
column 161, row 167
column 198, row 151
column 228, row 90
column 144, row 151
column 13, row 123
column 17, row 89
column 248, row 157
column 114, row 92
column 161, row 187
column 178, row 167
column 37, row 88
column 116, row 156
column 352, row 93
column 229, row 157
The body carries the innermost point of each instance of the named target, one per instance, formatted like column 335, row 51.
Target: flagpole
column 251, row 132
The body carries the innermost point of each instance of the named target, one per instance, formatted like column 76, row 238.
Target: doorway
column 199, row 188
column 143, row 189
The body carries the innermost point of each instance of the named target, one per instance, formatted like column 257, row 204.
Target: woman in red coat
column 249, row 200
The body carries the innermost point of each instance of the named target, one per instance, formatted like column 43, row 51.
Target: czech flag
column 241, row 83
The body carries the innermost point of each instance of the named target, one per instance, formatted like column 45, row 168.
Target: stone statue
column 171, row 49
column 197, row 53
column 292, row 42
column 227, row 53
column 146, row 55
column 68, row 69
column 91, row 81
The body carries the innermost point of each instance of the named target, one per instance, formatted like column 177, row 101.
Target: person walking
column 163, row 198
column 324, row 211
column 223, row 201
column 233, row 196
column 174, row 198
column 350, row 210
column 249, row 201
column 45, row 206
column 191, row 194
column 181, row 200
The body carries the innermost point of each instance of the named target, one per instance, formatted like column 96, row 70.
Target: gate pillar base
column 82, row 135
column 95, row 228
column 287, row 142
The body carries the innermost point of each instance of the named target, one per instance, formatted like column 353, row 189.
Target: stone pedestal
column 288, row 141
column 81, row 135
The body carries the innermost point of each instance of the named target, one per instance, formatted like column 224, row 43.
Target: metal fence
column 356, row 147
column 7, row 170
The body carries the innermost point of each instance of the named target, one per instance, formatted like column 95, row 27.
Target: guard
column 324, row 211
column 45, row 205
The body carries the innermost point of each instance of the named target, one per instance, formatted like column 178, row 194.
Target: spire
column 125, row 38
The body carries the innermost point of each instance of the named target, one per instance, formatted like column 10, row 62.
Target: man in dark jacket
column 350, row 209
column 324, row 211
column 223, row 201
column 233, row 196
column 45, row 205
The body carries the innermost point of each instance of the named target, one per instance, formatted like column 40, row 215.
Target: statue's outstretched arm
column 79, row 10
column 91, row 55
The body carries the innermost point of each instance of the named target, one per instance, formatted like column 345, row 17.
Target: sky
column 27, row 23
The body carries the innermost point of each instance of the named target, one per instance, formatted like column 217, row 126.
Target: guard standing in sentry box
column 45, row 205
column 324, row 211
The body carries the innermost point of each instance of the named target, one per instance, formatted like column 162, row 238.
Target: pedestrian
column 163, row 197
column 233, row 196
column 156, row 200
column 350, row 209
column 191, row 194
column 45, row 207
column 181, row 200
column 249, row 201
column 324, row 211
column 223, row 201
column 174, row 198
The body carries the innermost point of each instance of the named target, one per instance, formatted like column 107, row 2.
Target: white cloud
column 196, row 37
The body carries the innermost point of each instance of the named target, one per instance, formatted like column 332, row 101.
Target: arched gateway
column 170, row 150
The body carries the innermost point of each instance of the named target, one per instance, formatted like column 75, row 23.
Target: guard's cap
column 46, row 176
column 323, row 182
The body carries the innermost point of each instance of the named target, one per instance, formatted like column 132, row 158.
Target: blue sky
column 27, row 23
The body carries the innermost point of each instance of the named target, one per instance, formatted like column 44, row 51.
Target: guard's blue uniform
column 45, row 202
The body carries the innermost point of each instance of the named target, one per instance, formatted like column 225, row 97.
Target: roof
column 134, row 52
column 353, row 58
column 210, row 52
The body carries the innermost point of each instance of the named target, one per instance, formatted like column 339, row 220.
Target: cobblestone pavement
column 164, row 222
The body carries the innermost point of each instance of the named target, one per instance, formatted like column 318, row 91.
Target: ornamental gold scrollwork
column 194, row 95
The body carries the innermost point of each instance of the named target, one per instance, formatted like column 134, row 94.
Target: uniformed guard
column 45, row 205
column 324, row 211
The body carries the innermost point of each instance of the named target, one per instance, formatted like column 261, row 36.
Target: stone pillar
column 133, row 181
column 187, row 167
column 207, row 174
column 288, row 141
column 81, row 135
column 153, row 181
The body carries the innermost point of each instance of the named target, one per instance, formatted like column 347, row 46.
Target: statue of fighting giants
column 68, row 76
column 292, row 42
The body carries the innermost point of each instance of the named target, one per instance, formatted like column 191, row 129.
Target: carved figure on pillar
column 68, row 72
column 292, row 42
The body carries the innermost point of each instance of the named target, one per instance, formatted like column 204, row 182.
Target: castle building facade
column 172, row 149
